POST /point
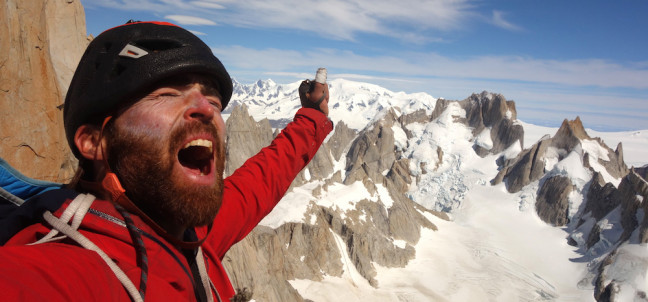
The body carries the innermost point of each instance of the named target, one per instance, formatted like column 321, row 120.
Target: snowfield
column 495, row 248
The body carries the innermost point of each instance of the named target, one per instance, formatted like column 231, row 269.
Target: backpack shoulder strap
column 76, row 211
column 15, row 218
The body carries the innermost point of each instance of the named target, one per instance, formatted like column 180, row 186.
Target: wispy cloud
column 498, row 20
column 409, row 20
column 198, row 33
column 346, row 76
column 189, row 20
column 208, row 4
column 582, row 73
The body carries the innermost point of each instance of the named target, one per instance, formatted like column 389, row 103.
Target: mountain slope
column 411, row 200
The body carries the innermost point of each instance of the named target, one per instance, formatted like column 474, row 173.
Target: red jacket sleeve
column 253, row 190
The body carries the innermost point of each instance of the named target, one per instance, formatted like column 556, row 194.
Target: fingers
column 321, row 97
column 314, row 95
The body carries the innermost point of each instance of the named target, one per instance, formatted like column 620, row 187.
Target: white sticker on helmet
column 132, row 51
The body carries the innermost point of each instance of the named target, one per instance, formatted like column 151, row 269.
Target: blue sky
column 555, row 59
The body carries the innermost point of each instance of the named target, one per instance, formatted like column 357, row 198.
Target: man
column 143, row 116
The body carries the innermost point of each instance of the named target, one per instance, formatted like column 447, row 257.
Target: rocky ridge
column 609, row 220
column 369, row 231
column 373, row 157
column 312, row 250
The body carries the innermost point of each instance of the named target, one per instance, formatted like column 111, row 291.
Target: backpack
column 22, row 201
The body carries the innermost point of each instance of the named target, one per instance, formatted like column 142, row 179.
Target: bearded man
column 143, row 116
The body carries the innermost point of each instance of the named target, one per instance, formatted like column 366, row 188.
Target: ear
column 87, row 142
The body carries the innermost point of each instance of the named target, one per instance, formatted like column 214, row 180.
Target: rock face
column 529, row 165
column 267, row 259
column 553, row 200
column 42, row 41
column 602, row 197
column 341, row 138
column 629, row 197
column 492, row 112
column 642, row 171
column 245, row 137
column 488, row 112
column 632, row 198
column 372, row 152
column 609, row 217
column 634, row 194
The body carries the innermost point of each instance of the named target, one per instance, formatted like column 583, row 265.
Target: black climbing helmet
column 125, row 62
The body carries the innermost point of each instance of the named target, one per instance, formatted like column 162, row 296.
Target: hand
column 314, row 95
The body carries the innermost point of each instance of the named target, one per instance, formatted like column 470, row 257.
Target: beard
column 145, row 167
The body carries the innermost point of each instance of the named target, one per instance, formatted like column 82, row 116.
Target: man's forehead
column 208, row 87
column 208, row 84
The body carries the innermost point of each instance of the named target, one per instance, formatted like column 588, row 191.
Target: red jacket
column 64, row 271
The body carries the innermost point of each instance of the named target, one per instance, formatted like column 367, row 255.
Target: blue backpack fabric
column 23, row 200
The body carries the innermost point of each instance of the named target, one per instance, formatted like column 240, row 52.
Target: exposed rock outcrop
column 642, row 171
column 340, row 139
column 372, row 152
column 633, row 193
column 245, row 137
column 616, row 165
column 494, row 112
column 484, row 112
column 267, row 259
column 569, row 135
column 42, row 41
column 399, row 175
column 601, row 197
column 529, row 165
column 321, row 166
column 552, row 201
column 418, row 116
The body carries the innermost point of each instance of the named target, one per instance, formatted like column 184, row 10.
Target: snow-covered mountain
column 414, row 198
column 354, row 103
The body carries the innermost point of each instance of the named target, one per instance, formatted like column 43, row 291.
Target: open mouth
column 197, row 156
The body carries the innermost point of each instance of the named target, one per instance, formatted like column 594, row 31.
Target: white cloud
column 208, row 4
column 189, row 20
column 340, row 19
column 583, row 73
column 409, row 20
column 498, row 20
column 138, row 5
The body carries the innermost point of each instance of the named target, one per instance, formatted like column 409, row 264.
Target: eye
column 166, row 92
column 216, row 102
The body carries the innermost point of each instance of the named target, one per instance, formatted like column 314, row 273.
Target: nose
column 199, row 107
